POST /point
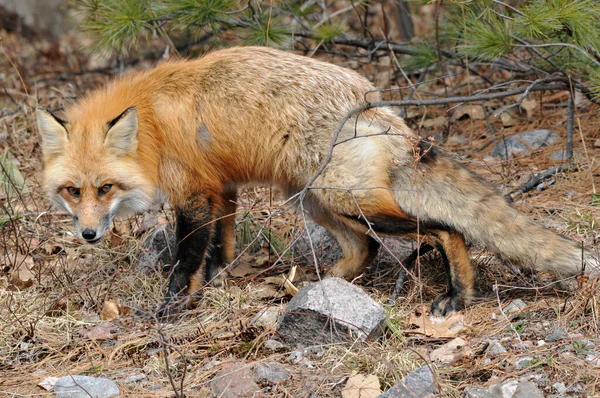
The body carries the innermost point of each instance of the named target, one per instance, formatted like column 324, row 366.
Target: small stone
column 235, row 379
column 524, row 143
column 332, row 310
column 76, row 386
column 597, row 143
column 495, row 348
column 274, row 345
column 524, row 362
column 134, row 378
column 270, row 372
column 418, row 383
column 267, row 318
column 593, row 358
column 476, row 392
column 560, row 388
column 515, row 305
column 556, row 334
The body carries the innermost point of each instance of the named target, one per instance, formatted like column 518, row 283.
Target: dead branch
column 535, row 180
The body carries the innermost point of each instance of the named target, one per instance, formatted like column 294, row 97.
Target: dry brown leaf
column 529, row 105
column 508, row 120
column 110, row 310
column 273, row 280
column 264, row 291
column 102, row 331
column 451, row 352
column 22, row 277
column 435, row 327
column 474, row 112
column 241, row 270
column 360, row 386
column 435, row 122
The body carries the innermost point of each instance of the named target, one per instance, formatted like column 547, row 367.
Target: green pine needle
column 329, row 31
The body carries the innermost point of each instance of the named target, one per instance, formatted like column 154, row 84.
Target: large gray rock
column 332, row 310
column 419, row 383
column 76, row 386
column 523, row 143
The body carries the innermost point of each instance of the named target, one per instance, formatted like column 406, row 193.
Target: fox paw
column 447, row 304
column 173, row 306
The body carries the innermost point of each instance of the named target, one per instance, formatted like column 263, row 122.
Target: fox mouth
column 93, row 241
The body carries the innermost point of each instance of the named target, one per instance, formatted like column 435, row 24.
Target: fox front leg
column 194, row 231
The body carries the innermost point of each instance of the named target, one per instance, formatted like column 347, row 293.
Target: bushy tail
column 445, row 192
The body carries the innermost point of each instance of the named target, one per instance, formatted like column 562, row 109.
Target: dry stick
column 178, row 394
column 529, row 185
column 570, row 123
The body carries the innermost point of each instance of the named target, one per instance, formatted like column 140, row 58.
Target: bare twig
column 535, row 180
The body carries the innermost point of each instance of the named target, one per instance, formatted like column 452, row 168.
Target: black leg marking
column 452, row 300
column 215, row 257
column 193, row 234
column 408, row 265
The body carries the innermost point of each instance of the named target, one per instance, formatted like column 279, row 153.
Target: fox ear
column 53, row 132
column 121, row 137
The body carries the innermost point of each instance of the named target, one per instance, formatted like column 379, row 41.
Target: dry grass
column 47, row 325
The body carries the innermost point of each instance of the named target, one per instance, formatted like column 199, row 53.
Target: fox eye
column 73, row 191
column 104, row 189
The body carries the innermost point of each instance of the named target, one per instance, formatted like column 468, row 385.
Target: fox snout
column 92, row 229
column 89, row 235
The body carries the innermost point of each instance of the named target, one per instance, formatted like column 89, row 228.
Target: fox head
column 92, row 171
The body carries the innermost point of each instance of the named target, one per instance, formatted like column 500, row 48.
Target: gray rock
column 75, row 386
column 524, row 143
column 157, row 251
column 418, row 383
column 559, row 156
column 134, row 378
column 267, row 318
column 527, row 389
column 511, row 388
column 476, row 392
column 556, row 334
column 332, row 310
column 515, row 305
column 274, row 345
column 524, row 362
column 328, row 251
column 234, row 380
column 560, row 388
column 270, row 372
column 495, row 348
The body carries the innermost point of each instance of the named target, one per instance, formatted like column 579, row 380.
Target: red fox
column 191, row 130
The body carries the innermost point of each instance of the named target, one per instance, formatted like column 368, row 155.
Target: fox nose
column 88, row 234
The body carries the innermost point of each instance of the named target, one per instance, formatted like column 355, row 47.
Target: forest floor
column 70, row 308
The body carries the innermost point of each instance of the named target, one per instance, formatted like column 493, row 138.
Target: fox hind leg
column 358, row 248
column 450, row 243
column 459, row 271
